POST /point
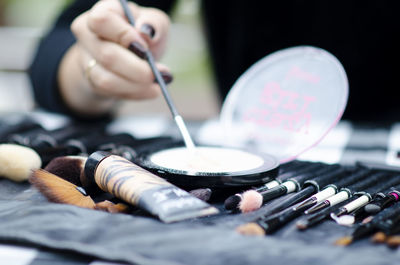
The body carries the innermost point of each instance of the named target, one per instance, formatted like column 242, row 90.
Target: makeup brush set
column 297, row 193
column 357, row 196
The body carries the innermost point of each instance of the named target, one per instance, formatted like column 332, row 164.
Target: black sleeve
column 51, row 49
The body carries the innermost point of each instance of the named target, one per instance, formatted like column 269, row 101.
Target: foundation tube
column 139, row 187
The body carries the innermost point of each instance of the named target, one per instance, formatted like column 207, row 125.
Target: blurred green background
column 193, row 87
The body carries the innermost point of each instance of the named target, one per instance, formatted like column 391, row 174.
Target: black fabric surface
column 27, row 218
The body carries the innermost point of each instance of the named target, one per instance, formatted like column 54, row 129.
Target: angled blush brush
column 58, row 190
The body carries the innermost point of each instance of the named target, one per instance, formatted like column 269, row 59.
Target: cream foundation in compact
column 211, row 166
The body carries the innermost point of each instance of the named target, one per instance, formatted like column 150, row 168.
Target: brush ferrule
column 184, row 132
column 291, row 186
column 269, row 185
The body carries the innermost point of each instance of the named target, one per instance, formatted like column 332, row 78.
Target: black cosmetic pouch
column 27, row 218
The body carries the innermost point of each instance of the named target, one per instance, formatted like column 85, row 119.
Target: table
column 64, row 234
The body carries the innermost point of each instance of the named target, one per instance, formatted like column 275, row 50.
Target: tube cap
column 90, row 168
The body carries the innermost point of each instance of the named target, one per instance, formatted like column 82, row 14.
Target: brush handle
column 358, row 175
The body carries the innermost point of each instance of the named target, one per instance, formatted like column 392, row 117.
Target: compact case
column 280, row 107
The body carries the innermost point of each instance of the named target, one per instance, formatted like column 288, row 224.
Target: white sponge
column 17, row 162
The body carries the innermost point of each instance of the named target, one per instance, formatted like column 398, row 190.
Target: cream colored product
column 206, row 159
column 137, row 186
column 17, row 162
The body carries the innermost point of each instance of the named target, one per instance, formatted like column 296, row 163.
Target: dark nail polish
column 167, row 77
column 137, row 49
column 148, row 30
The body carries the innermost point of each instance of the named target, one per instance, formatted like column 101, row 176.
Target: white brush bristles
column 251, row 201
column 17, row 162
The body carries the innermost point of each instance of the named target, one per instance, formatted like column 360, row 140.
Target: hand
column 103, row 34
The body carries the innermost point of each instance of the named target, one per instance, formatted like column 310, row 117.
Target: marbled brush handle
column 124, row 179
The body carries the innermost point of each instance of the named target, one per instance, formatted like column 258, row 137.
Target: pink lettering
column 296, row 72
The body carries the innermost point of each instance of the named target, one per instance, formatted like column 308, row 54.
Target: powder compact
column 207, row 166
column 280, row 107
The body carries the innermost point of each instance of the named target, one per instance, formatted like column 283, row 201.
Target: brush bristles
column 68, row 168
column 58, row 190
column 111, row 207
column 250, row 229
column 379, row 237
column 251, row 201
column 393, row 241
column 202, row 194
column 232, row 202
column 344, row 241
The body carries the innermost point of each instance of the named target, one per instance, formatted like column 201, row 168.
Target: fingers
column 107, row 20
column 111, row 55
column 154, row 26
column 104, row 34
column 107, row 84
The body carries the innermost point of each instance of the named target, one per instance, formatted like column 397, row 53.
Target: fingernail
column 148, row 30
column 167, row 77
column 137, row 49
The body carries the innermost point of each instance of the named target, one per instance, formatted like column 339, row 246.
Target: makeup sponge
column 17, row 162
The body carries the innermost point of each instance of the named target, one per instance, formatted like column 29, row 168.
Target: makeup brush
column 283, row 213
column 17, row 161
column 381, row 202
column 311, row 187
column 389, row 230
column 293, row 184
column 366, row 229
column 288, row 171
column 270, row 223
column 377, row 192
column 315, row 218
column 252, row 200
column 58, row 190
column 363, row 196
column 203, row 194
column 150, row 59
column 69, row 168
column 353, row 183
column 7, row 129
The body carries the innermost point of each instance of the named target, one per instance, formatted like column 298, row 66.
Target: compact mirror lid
column 286, row 102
